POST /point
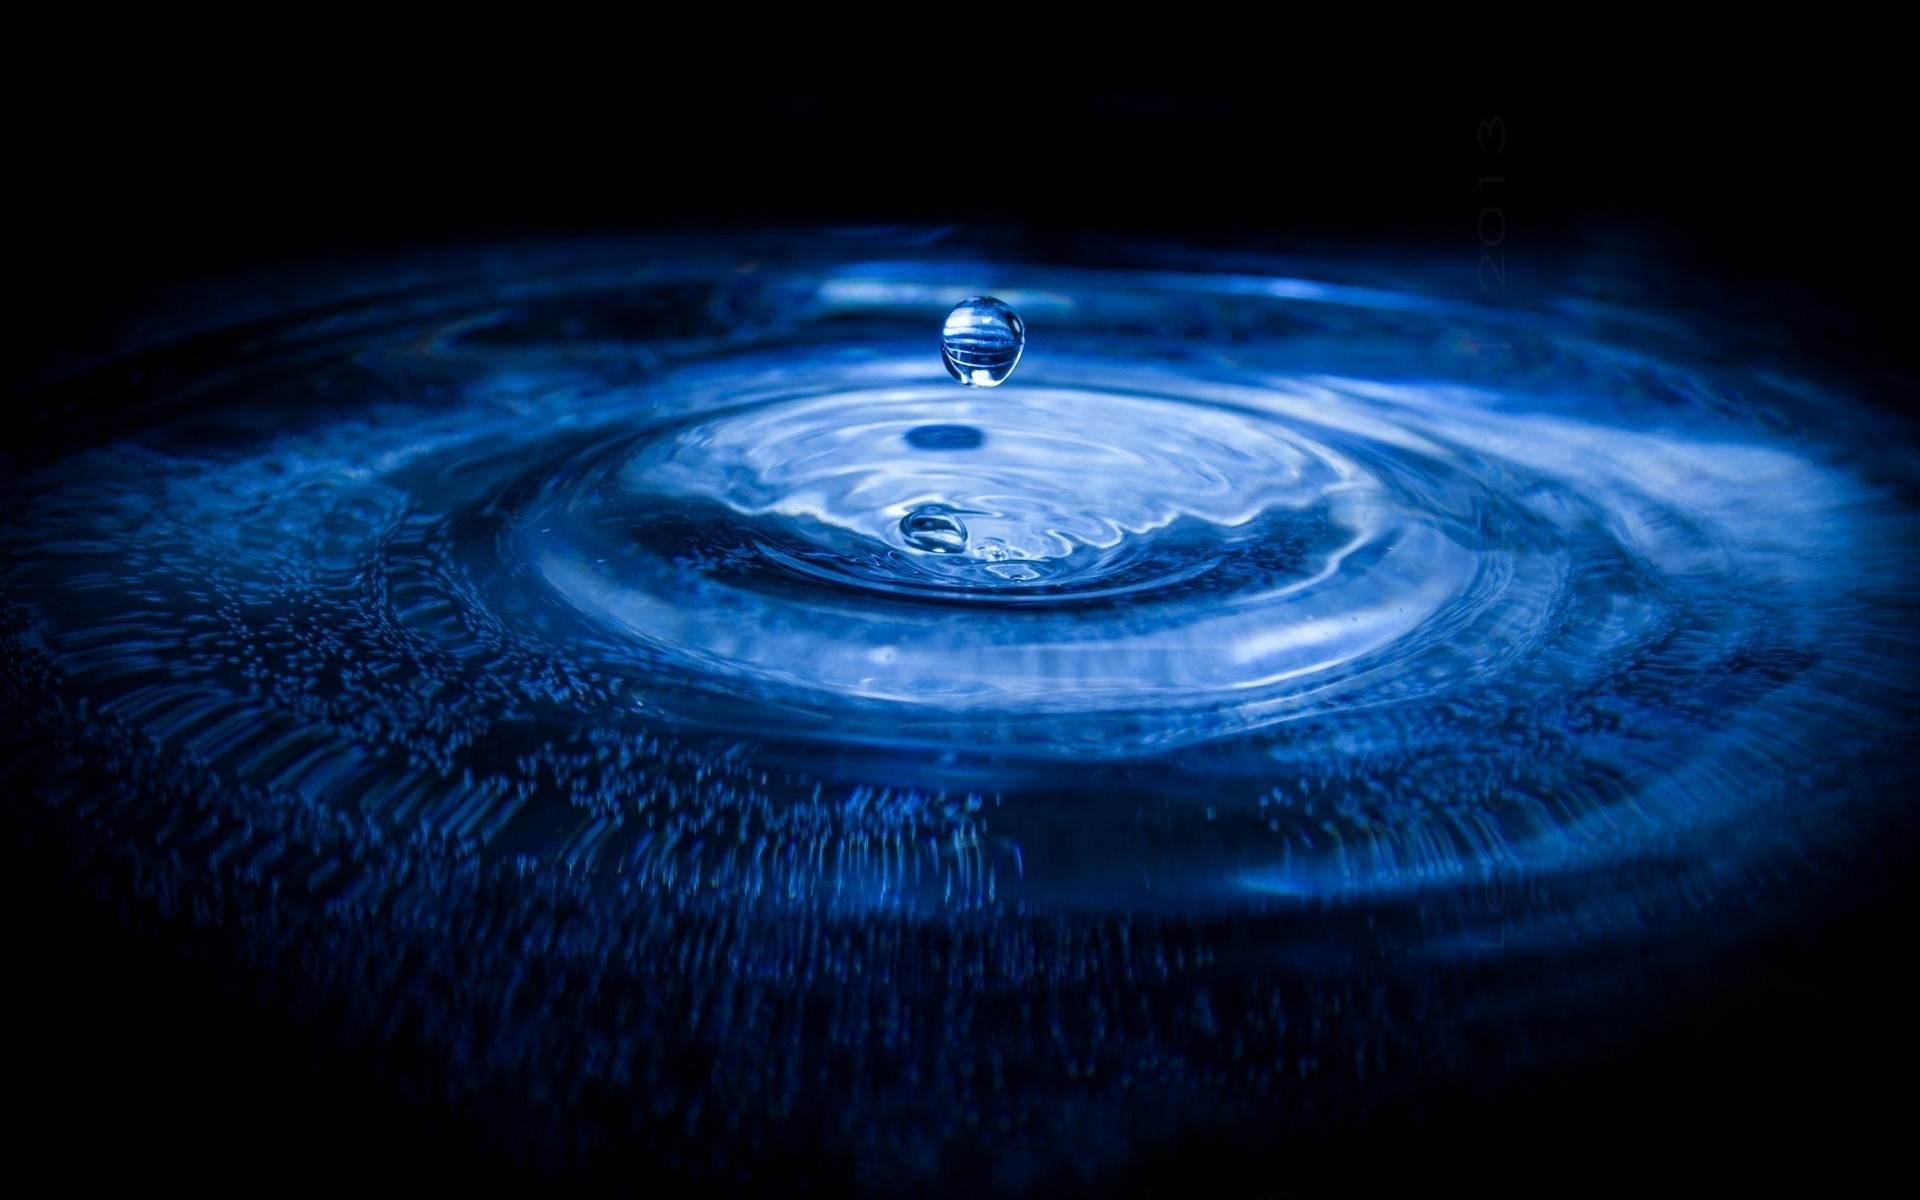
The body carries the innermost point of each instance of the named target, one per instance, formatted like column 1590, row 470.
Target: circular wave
column 695, row 590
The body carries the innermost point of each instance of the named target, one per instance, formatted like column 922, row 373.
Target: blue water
column 657, row 652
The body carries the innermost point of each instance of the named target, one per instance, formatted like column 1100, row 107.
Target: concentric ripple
column 697, row 593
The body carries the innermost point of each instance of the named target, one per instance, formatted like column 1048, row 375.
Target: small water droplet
column 934, row 528
column 981, row 341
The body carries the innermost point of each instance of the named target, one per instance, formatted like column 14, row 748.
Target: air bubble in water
column 981, row 341
column 935, row 528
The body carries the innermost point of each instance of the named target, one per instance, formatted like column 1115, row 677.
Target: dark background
column 133, row 1057
column 143, row 173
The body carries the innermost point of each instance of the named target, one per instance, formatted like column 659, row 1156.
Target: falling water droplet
column 981, row 341
column 935, row 528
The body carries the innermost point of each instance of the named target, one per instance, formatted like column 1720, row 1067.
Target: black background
column 129, row 1059
column 125, row 178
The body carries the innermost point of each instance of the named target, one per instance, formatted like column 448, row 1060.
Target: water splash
column 934, row 528
column 570, row 613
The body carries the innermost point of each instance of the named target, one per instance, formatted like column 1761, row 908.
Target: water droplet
column 981, row 341
column 935, row 528
column 945, row 437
